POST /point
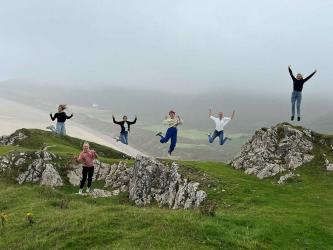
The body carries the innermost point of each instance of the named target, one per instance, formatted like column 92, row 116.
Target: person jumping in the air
column 125, row 128
column 61, row 117
column 87, row 157
column 172, row 121
column 220, row 122
column 296, row 96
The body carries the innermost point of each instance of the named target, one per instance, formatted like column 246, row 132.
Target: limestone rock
column 13, row 138
column 151, row 180
column 100, row 193
column 284, row 178
column 274, row 150
column 50, row 176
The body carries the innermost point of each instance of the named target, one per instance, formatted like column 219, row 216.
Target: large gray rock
column 13, row 138
column 151, row 180
column 115, row 175
column 275, row 150
column 42, row 169
column 147, row 181
column 35, row 167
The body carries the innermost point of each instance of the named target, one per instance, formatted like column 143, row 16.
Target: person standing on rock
column 296, row 96
column 125, row 126
column 172, row 121
column 61, row 117
column 86, row 157
column 220, row 123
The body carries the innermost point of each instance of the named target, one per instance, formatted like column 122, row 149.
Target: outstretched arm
column 291, row 73
column 52, row 117
column 232, row 115
column 69, row 117
column 308, row 78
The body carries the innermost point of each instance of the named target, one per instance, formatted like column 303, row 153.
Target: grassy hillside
column 65, row 146
column 251, row 214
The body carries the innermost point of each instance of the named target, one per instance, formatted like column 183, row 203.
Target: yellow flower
column 3, row 218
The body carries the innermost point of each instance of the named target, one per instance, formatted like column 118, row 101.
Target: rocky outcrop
column 153, row 181
column 13, row 138
column 36, row 167
column 146, row 182
column 274, row 150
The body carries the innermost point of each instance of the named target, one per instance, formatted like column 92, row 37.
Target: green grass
column 251, row 214
column 63, row 145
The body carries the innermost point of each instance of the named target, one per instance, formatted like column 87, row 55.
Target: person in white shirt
column 172, row 121
column 220, row 122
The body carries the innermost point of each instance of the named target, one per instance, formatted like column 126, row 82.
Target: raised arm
column 233, row 114
column 180, row 120
column 52, row 117
column 114, row 120
column 308, row 78
column 210, row 113
column 133, row 122
column 291, row 73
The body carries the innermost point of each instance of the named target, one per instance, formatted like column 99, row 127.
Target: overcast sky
column 189, row 45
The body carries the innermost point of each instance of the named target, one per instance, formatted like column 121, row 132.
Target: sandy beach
column 15, row 115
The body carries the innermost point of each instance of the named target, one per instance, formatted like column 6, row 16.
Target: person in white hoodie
column 220, row 123
column 172, row 121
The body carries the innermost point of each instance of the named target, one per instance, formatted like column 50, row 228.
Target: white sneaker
column 80, row 192
column 169, row 155
column 88, row 190
column 49, row 127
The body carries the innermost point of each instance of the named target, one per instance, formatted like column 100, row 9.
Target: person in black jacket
column 61, row 117
column 125, row 128
column 296, row 96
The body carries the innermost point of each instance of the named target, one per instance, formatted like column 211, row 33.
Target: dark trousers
column 170, row 134
column 86, row 172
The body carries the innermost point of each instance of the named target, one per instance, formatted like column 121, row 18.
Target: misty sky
column 190, row 45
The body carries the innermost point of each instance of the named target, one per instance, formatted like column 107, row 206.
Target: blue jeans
column 59, row 128
column 219, row 134
column 296, row 98
column 170, row 134
column 124, row 137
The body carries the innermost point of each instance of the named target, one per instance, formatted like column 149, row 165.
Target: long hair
column 62, row 107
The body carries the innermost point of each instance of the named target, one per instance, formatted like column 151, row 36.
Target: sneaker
column 169, row 155
column 80, row 192
column 49, row 127
column 292, row 118
column 228, row 138
column 298, row 118
column 116, row 138
column 88, row 190
column 159, row 134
